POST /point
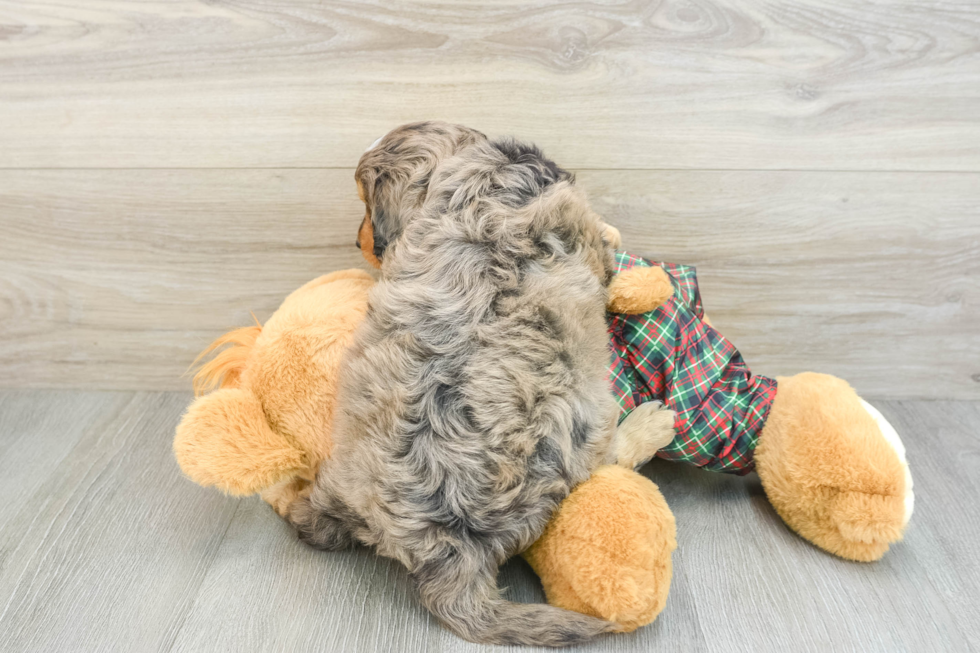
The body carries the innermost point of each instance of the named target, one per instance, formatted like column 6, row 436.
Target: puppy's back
column 488, row 329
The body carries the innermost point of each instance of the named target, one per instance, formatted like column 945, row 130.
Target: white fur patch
column 374, row 144
column 891, row 436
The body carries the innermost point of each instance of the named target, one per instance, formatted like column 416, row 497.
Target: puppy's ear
column 394, row 175
column 379, row 241
column 371, row 243
column 381, row 224
column 365, row 241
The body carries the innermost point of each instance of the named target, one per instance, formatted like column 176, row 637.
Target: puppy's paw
column 645, row 431
column 281, row 495
column 611, row 236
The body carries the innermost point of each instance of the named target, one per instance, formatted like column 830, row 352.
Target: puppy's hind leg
column 319, row 524
column 645, row 431
column 281, row 495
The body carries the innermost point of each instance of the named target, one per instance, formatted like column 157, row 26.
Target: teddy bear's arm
column 639, row 290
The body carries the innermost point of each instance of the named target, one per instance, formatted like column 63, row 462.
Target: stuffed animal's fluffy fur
column 475, row 396
column 268, row 427
column 606, row 552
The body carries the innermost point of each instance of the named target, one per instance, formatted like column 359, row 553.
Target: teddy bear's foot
column 645, row 431
column 891, row 436
column 224, row 440
column 607, row 551
column 833, row 468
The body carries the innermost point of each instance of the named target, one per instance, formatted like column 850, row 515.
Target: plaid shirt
column 670, row 354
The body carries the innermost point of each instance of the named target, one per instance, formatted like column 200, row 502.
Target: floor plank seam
column 59, row 515
column 204, row 575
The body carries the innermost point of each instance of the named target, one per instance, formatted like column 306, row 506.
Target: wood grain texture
column 872, row 277
column 290, row 597
column 108, row 548
column 106, row 544
column 117, row 278
column 824, row 84
column 771, row 591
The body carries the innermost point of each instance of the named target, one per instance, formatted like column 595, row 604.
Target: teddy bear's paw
column 645, row 431
column 639, row 290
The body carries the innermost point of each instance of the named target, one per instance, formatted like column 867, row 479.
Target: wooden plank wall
column 168, row 167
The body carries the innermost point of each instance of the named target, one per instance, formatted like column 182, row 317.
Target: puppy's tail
column 461, row 591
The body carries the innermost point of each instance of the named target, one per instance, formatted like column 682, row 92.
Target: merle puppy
column 476, row 396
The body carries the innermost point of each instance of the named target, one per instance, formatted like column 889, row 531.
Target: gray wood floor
column 104, row 546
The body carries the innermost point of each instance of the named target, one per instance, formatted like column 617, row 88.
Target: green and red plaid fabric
column 672, row 355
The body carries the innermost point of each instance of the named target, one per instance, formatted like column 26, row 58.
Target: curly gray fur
column 476, row 396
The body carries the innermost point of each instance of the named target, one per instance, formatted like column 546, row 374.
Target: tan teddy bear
column 830, row 464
